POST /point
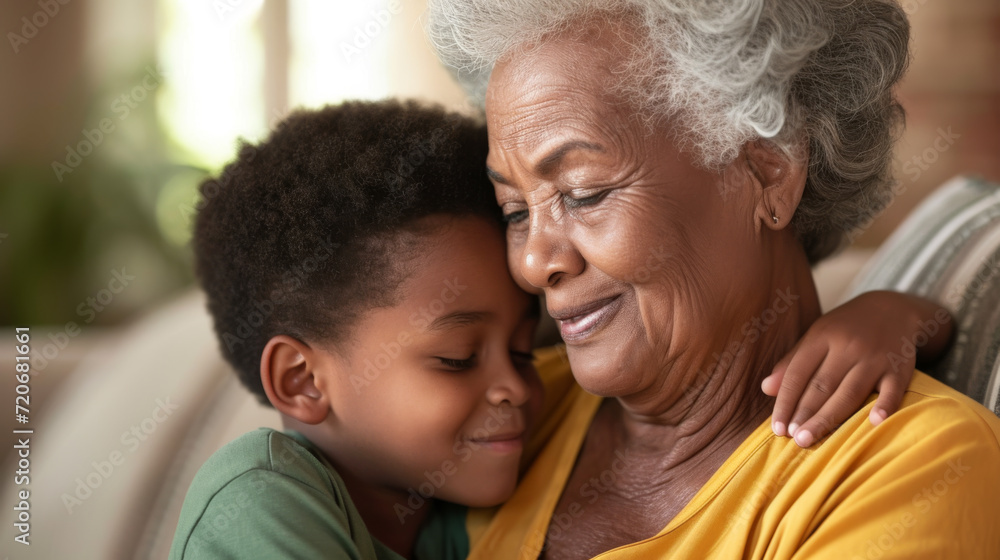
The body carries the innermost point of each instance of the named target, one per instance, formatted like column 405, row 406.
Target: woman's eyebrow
column 458, row 319
column 548, row 163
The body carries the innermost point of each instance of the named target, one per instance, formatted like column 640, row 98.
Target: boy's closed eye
column 458, row 364
column 518, row 358
column 521, row 359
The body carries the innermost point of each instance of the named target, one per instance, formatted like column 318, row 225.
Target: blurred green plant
column 120, row 206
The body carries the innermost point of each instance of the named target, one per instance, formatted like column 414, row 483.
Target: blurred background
column 175, row 84
column 112, row 112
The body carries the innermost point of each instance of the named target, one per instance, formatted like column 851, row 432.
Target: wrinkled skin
column 658, row 267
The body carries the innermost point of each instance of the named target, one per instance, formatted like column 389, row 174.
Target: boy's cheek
column 462, row 450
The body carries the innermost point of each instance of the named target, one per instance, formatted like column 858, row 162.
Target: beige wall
column 953, row 85
column 415, row 72
column 42, row 97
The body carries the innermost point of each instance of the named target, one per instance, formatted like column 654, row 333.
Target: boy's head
column 306, row 230
column 355, row 267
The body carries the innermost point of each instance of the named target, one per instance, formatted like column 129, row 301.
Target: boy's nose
column 509, row 386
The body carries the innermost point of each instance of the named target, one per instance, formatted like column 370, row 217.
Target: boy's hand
column 858, row 347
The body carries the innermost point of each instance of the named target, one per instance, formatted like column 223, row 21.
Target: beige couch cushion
column 98, row 490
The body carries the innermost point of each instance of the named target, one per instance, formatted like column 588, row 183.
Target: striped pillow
column 948, row 250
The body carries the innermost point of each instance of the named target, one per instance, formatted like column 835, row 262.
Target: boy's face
column 436, row 393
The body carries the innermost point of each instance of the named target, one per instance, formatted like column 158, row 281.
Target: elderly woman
column 669, row 170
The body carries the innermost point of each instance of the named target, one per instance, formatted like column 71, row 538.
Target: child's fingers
column 805, row 358
column 830, row 378
column 890, row 395
column 837, row 407
column 772, row 383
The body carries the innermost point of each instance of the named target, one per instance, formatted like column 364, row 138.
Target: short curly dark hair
column 307, row 229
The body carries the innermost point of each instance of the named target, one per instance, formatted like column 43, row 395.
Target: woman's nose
column 547, row 253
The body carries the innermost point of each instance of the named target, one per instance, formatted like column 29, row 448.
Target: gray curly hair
column 733, row 71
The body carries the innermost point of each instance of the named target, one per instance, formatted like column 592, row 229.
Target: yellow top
column 924, row 484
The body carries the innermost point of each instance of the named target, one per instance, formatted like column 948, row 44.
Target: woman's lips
column 576, row 324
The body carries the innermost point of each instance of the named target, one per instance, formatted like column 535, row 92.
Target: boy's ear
column 288, row 371
column 781, row 178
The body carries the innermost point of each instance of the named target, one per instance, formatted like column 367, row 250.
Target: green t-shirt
column 271, row 494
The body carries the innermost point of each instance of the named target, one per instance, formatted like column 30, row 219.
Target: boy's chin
column 488, row 494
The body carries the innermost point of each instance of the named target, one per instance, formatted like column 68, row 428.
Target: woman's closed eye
column 518, row 215
column 589, row 199
column 515, row 216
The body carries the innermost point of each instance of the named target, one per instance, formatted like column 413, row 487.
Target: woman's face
column 640, row 254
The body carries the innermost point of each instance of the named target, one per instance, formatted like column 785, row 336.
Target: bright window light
column 339, row 50
column 213, row 60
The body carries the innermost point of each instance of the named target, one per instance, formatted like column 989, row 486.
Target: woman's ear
column 290, row 375
column 782, row 180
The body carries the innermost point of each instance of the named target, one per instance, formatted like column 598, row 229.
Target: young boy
column 355, row 268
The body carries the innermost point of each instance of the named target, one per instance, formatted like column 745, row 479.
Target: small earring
column 775, row 218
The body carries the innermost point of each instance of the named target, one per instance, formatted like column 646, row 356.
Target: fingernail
column 779, row 428
column 804, row 438
column 877, row 416
column 792, row 428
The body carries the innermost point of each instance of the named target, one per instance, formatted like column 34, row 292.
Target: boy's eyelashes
column 458, row 364
column 520, row 359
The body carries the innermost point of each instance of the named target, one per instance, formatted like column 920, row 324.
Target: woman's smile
column 576, row 324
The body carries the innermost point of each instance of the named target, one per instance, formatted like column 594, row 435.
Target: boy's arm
column 869, row 343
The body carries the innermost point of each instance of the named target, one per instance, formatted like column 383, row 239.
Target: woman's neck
column 722, row 402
